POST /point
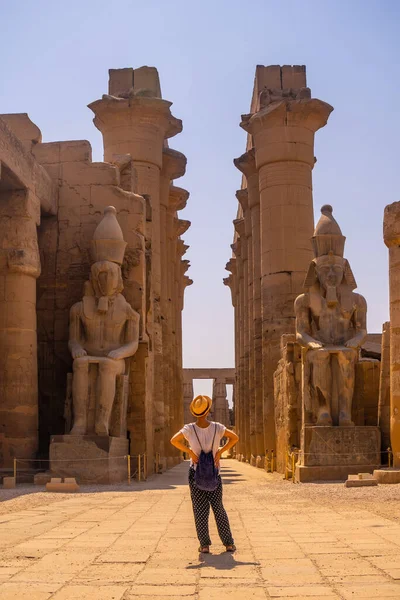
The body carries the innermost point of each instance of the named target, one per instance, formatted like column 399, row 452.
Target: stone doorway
column 220, row 378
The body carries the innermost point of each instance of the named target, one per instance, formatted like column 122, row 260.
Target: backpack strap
column 194, row 429
column 215, row 431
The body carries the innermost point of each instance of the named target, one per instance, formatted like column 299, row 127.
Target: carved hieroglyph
column 331, row 326
column 104, row 328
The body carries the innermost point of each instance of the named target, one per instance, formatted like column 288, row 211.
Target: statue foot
column 324, row 420
column 101, row 429
column 345, row 422
column 78, row 429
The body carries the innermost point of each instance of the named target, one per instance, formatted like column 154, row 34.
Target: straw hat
column 200, row 406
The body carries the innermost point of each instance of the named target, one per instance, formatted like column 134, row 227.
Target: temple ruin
column 55, row 224
column 92, row 289
column 290, row 284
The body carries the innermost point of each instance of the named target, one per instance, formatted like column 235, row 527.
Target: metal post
column 145, row 466
column 272, row 462
column 389, row 450
column 293, row 468
column 15, row 471
column 139, row 467
column 129, row 469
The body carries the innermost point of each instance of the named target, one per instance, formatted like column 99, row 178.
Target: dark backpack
column 206, row 474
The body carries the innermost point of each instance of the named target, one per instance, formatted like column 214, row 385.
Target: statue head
column 330, row 270
column 108, row 248
column 329, row 267
column 106, row 278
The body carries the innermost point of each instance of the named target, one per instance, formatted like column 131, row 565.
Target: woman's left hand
column 217, row 458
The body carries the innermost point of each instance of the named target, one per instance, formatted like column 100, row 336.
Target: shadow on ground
column 221, row 562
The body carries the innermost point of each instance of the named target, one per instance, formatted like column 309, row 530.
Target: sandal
column 204, row 549
column 230, row 548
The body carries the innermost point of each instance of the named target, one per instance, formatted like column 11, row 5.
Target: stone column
column 243, row 420
column 174, row 166
column 188, row 395
column 232, row 283
column 391, row 236
column 242, row 197
column 384, row 389
column 220, row 402
column 283, row 135
column 177, row 201
column 19, row 269
column 138, row 125
column 247, row 165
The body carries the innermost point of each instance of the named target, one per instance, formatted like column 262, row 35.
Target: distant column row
column 271, row 249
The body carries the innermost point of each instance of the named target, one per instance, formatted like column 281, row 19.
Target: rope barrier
column 140, row 473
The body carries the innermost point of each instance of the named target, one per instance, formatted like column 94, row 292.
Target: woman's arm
column 232, row 440
column 178, row 441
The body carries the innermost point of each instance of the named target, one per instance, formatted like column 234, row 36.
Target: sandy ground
column 138, row 542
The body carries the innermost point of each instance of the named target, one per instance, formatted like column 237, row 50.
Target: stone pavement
column 294, row 541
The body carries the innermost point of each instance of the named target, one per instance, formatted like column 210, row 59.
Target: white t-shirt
column 206, row 435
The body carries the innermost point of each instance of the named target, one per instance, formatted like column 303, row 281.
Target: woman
column 205, row 435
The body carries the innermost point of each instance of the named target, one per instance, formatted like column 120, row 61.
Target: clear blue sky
column 55, row 58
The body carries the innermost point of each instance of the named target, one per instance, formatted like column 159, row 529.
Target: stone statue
column 104, row 329
column 331, row 326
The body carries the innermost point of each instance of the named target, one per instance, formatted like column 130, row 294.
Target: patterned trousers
column 202, row 501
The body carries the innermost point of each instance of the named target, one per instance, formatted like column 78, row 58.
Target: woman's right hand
column 193, row 456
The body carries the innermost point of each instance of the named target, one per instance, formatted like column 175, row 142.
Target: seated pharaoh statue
column 104, row 331
column 331, row 326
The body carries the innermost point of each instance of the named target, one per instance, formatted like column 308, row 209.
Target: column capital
column 173, row 163
column 187, row 281
column 231, row 266
column 181, row 226
column 181, row 248
column 246, row 163
column 229, row 282
column 151, row 111
column 237, row 247
column 135, row 125
column 243, row 199
column 185, row 266
column 177, row 198
column 391, row 225
column 239, row 227
column 309, row 113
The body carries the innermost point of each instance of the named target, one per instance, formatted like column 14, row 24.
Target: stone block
column 79, row 173
column 361, row 480
column 76, row 151
column 89, row 458
column 48, row 153
column 327, row 472
column 387, row 475
column 260, row 462
column 120, row 81
column 41, row 478
column 9, row 483
column 67, row 486
column 146, row 78
column 293, row 76
column 333, row 453
column 328, row 446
